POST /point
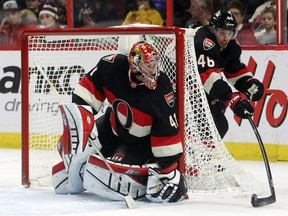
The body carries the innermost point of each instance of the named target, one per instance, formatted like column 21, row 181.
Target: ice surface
column 18, row 200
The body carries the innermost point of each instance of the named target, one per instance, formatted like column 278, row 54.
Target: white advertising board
column 270, row 66
column 10, row 91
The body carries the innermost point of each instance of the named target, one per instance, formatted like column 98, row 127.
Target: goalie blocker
column 82, row 169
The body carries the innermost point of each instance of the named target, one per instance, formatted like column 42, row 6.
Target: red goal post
column 54, row 60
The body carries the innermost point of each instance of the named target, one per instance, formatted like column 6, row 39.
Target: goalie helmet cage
column 54, row 61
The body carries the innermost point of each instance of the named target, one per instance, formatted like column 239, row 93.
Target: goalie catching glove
column 240, row 106
column 165, row 187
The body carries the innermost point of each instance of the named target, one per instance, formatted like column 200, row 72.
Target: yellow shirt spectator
column 146, row 14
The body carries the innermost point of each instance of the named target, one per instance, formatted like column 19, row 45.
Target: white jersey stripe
column 233, row 80
column 88, row 97
column 166, row 151
column 211, row 80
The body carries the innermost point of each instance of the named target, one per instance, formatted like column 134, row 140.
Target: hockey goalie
column 136, row 133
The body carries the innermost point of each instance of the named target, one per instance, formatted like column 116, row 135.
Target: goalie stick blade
column 259, row 202
column 130, row 202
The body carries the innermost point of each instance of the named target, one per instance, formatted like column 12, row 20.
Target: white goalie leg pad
column 61, row 182
column 78, row 141
column 99, row 179
column 80, row 134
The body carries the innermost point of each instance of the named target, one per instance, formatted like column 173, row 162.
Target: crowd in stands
column 256, row 19
column 16, row 16
column 201, row 12
column 144, row 12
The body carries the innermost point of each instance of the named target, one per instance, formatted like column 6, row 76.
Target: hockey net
column 54, row 61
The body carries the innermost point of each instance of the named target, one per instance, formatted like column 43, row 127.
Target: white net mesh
column 210, row 169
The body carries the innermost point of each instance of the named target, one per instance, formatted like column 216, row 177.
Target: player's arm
column 165, row 182
column 211, row 78
column 239, row 75
column 217, row 88
column 89, row 90
column 165, row 140
column 245, row 82
column 234, row 100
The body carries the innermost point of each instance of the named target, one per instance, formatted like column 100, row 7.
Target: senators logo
column 110, row 58
column 208, row 44
column 170, row 99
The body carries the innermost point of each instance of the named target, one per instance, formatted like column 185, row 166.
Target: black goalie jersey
column 139, row 116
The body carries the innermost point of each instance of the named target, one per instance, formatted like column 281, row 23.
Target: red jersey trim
column 239, row 73
column 205, row 76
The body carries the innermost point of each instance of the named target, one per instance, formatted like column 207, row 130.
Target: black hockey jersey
column 139, row 115
column 212, row 61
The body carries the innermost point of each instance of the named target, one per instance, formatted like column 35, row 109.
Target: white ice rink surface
column 17, row 200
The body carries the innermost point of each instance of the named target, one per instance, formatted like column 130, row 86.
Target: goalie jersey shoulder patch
column 110, row 58
column 170, row 99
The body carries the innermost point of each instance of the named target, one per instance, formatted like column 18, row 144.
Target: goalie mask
column 143, row 61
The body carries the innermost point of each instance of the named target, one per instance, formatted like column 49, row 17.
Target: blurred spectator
column 62, row 15
column 181, row 12
column 21, row 4
column 201, row 13
column 250, row 6
column 60, row 3
column 255, row 20
column 61, row 9
column 245, row 34
column 34, row 6
column 95, row 13
column 78, row 6
column 268, row 21
column 3, row 29
column 15, row 21
column 144, row 13
column 48, row 17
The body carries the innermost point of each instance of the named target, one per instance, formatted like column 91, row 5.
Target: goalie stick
column 130, row 202
column 255, row 201
column 39, row 67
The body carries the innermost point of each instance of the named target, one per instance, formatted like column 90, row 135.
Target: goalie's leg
column 60, row 181
column 78, row 141
column 101, row 181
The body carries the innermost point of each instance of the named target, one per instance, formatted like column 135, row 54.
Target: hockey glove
column 253, row 89
column 169, row 187
column 240, row 106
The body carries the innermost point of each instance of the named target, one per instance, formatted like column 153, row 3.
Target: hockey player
column 137, row 134
column 218, row 53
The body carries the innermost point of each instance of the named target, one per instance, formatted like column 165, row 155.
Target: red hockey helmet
column 143, row 60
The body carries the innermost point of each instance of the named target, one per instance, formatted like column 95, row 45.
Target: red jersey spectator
column 15, row 22
column 3, row 30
